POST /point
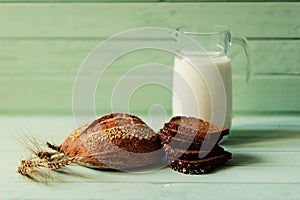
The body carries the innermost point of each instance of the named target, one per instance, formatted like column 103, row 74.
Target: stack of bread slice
column 192, row 145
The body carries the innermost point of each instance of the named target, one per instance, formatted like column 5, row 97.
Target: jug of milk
column 194, row 81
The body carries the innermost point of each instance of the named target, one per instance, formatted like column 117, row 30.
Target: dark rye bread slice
column 200, row 166
column 117, row 141
column 185, row 141
column 191, row 133
column 190, row 126
column 174, row 154
column 167, row 135
column 187, row 145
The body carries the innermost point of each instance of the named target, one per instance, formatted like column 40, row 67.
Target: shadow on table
column 244, row 159
column 247, row 145
column 240, row 137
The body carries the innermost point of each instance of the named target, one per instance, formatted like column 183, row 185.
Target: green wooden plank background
column 255, row 20
column 33, row 57
column 43, row 44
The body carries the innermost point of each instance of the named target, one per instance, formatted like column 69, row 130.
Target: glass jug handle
column 241, row 40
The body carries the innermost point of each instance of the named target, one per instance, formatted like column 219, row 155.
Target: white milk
column 198, row 103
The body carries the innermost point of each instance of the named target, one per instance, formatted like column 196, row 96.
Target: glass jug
column 215, row 42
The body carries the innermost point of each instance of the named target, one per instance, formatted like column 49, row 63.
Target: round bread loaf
column 115, row 141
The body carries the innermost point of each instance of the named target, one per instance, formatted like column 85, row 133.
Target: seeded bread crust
column 200, row 166
column 116, row 140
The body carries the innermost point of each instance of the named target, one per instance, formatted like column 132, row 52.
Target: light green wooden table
column 265, row 165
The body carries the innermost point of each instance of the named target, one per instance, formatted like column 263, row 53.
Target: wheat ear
column 54, row 160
